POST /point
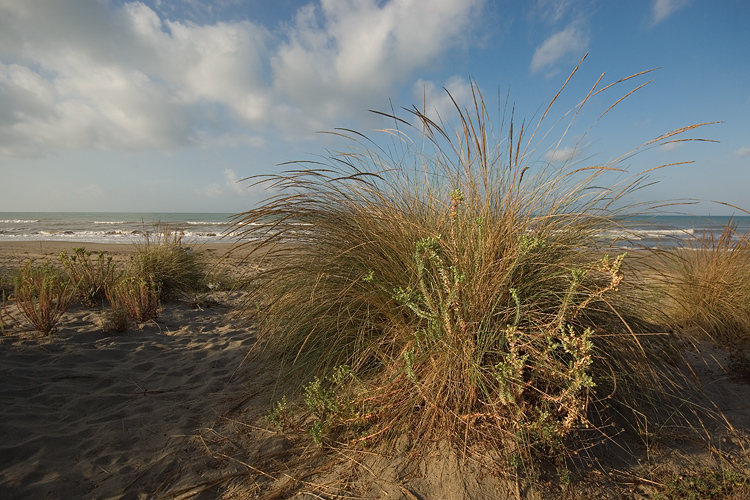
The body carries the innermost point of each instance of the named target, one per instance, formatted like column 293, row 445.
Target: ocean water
column 196, row 228
column 111, row 227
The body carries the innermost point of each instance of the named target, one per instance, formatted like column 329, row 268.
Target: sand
column 90, row 413
column 174, row 409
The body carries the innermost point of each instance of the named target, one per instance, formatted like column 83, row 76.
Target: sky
column 166, row 105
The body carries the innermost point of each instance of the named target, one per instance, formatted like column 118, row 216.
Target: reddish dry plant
column 139, row 297
column 43, row 296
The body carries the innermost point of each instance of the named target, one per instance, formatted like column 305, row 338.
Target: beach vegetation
column 279, row 416
column 705, row 484
column 708, row 288
column 173, row 267
column 117, row 317
column 90, row 276
column 136, row 296
column 464, row 283
column 43, row 295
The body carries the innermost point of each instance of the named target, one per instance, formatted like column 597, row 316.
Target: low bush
column 43, row 295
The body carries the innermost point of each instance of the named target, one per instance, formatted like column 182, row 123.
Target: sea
column 113, row 227
column 197, row 228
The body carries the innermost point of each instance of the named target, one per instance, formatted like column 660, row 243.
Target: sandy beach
column 90, row 413
column 174, row 409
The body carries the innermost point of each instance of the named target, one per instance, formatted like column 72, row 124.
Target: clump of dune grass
column 709, row 285
column 43, row 295
column 90, row 276
column 163, row 259
column 452, row 287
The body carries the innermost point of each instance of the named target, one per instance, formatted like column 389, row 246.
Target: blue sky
column 163, row 105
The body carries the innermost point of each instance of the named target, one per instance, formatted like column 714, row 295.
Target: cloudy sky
column 164, row 105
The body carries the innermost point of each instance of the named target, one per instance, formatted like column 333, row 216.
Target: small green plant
column 90, row 277
column 566, row 476
column 43, row 295
column 317, row 431
column 327, row 402
column 138, row 296
column 706, row 485
column 324, row 404
column 279, row 416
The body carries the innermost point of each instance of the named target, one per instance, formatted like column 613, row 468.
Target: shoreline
column 14, row 254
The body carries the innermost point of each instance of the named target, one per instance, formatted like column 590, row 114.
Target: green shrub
column 91, row 278
column 464, row 283
column 43, row 295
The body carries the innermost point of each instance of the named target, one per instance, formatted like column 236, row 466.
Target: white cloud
column 743, row 151
column 233, row 183
column 661, row 9
column 235, row 187
column 569, row 41
column 79, row 75
column 561, row 154
column 346, row 55
column 232, row 186
column 671, row 146
column 552, row 10
column 435, row 102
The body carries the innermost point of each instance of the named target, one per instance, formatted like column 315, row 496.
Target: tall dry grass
column 454, row 287
column 709, row 286
column 172, row 266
